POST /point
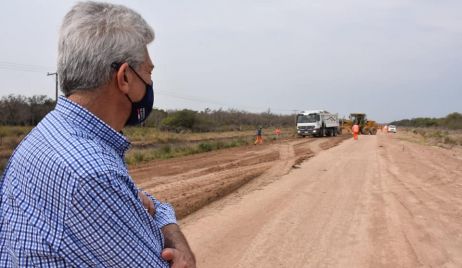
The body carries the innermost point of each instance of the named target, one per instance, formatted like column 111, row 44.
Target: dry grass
column 165, row 151
column 151, row 135
column 10, row 137
column 164, row 145
column 150, row 143
column 433, row 136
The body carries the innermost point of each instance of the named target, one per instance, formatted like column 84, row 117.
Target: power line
column 5, row 65
column 21, row 69
column 202, row 100
column 22, row 65
column 13, row 66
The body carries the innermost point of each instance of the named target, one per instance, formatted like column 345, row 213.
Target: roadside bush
column 220, row 145
column 205, row 147
column 155, row 118
column 184, row 119
column 452, row 121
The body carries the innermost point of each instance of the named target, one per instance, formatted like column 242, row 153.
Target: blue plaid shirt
column 67, row 199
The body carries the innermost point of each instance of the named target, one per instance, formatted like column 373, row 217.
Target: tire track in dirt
column 192, row 182
column 273, row 225
column 427, row 194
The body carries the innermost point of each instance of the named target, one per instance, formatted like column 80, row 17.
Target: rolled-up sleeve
column 165, row 214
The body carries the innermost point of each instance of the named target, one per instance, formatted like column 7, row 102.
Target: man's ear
column 122, row 81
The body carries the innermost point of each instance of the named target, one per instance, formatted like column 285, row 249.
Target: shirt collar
column 92, row 125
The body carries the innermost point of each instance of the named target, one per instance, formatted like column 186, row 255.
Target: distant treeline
column 451, row 121
column 19, row 110
column 215, row 120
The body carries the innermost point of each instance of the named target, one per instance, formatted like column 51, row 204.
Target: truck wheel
column 335, row 132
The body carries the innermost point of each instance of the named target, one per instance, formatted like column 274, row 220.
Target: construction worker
column 277, row 132
column 355, row 130
column 259, row 139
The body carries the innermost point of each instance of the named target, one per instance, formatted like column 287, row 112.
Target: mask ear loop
column 139, row 76
column 116, row 65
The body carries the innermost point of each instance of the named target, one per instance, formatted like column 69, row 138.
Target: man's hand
column 147, row 203
column 178, row 259
column 177, row 250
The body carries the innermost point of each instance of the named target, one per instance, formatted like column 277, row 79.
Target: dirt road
column 376, row 202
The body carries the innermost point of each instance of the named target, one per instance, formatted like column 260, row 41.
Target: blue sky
column 391, row 59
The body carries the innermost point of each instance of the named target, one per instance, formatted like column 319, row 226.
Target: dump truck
column 317, row 123
column 366, row 127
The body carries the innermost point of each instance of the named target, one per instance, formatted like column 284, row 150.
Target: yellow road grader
column 366, row 127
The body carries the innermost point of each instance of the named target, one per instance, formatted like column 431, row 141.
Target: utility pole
column 56, row 78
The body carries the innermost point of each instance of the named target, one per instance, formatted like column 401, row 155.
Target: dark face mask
column 140, row 109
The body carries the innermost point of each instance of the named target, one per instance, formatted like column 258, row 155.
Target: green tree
column 180, row 120
column 452, row 121
column 156, row 117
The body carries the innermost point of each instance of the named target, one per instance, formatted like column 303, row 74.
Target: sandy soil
column 377, row 202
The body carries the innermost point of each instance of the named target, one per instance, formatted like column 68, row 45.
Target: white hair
column 95, row 35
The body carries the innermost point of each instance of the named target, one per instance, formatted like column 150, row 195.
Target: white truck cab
column 317, row 123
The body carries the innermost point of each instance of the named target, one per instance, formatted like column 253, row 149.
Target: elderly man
column 67, row 199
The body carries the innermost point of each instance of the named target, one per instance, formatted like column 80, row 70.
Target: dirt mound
column 191, row 182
